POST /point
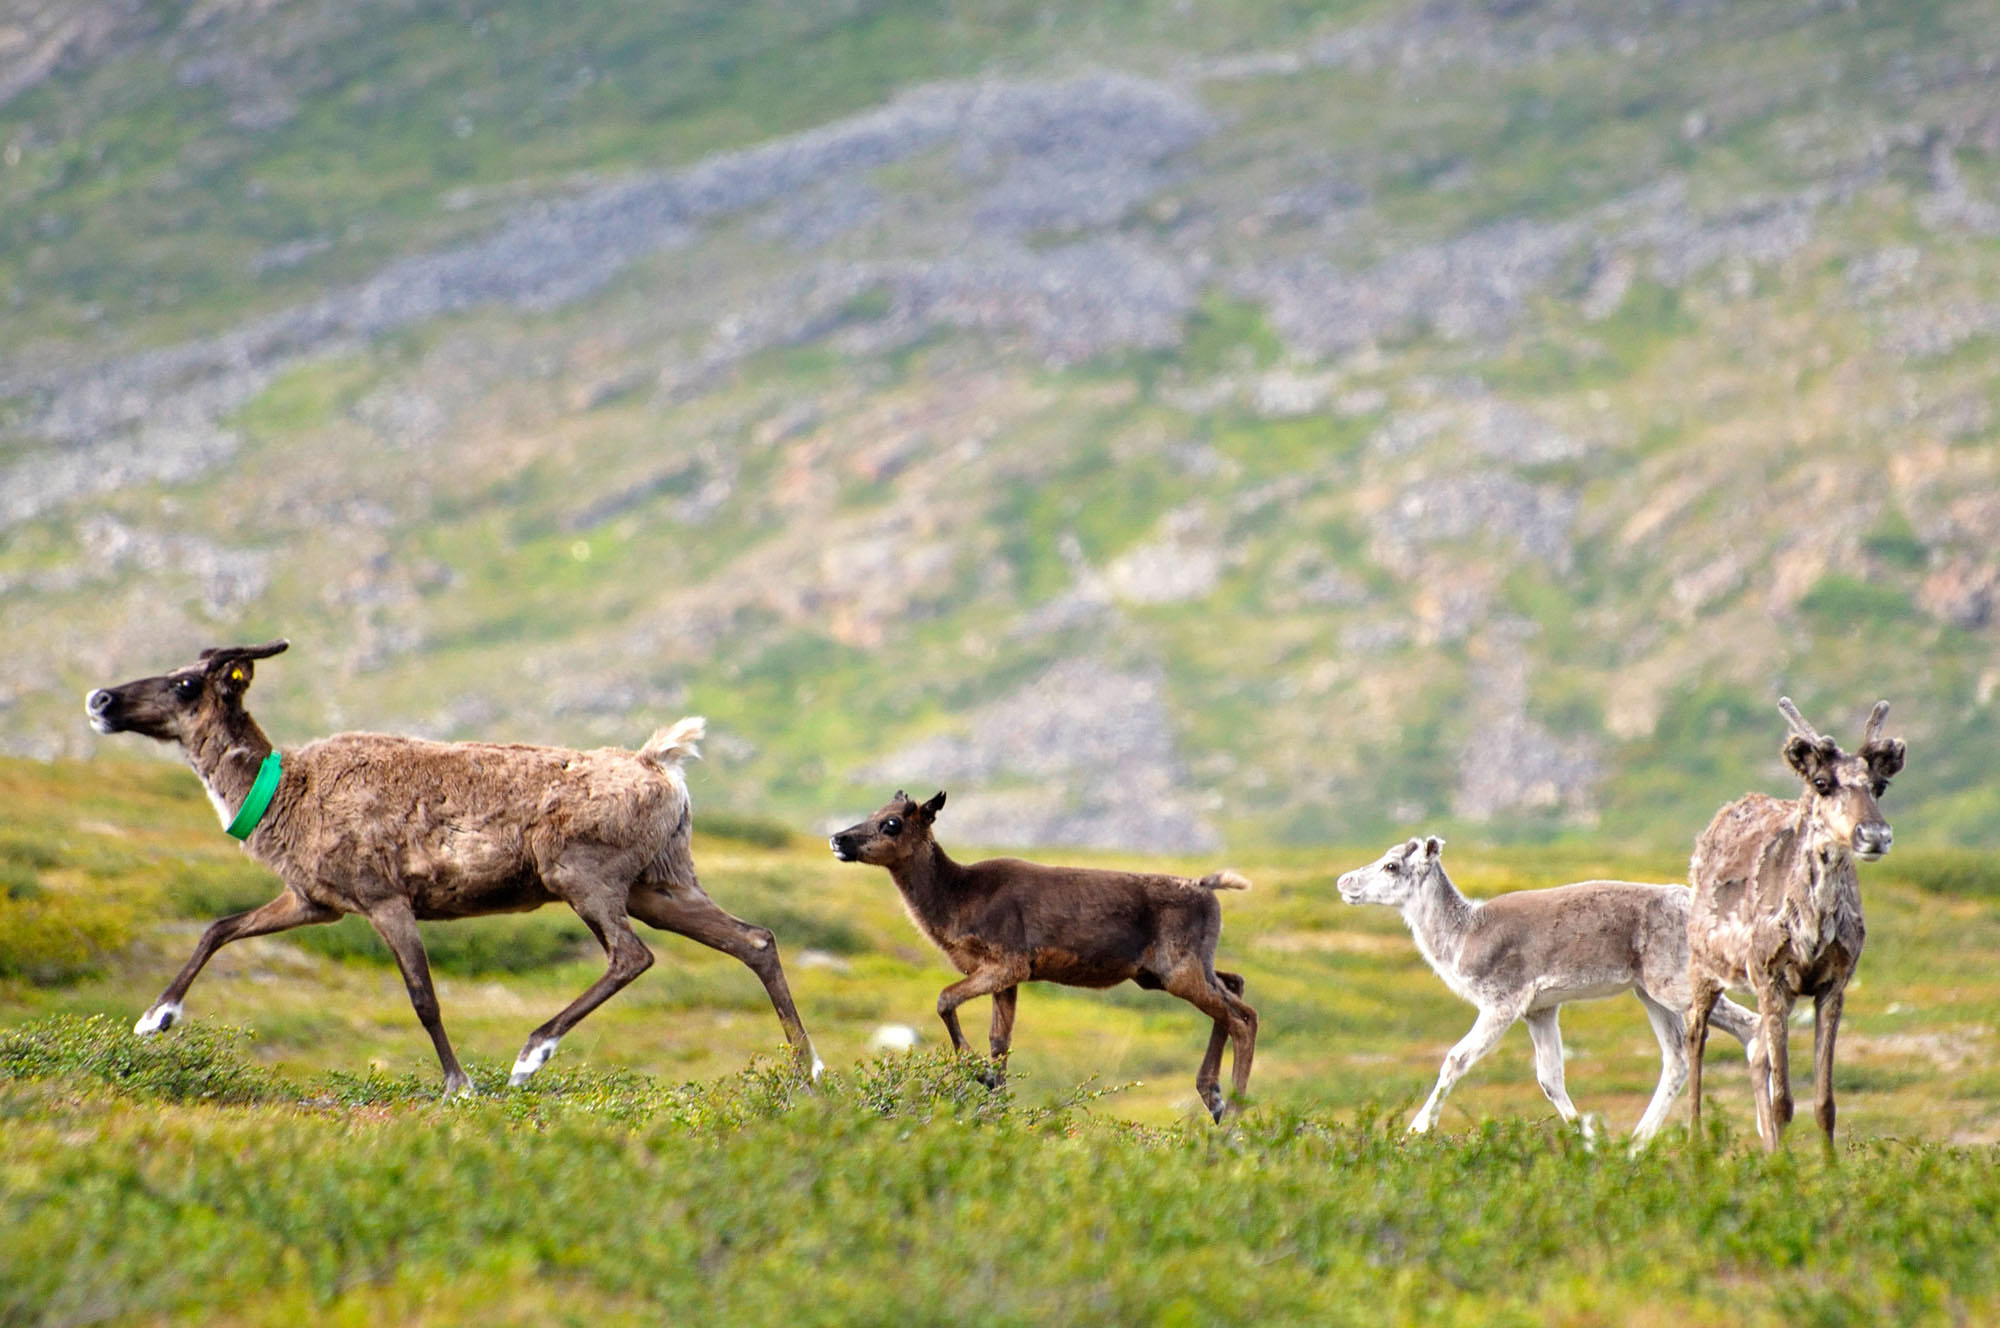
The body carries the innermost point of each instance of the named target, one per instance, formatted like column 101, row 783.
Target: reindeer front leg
column 396, row 924
column 1001, row 1036
column 1826, row 1027
column 988, row 981
column 1486, row 1031
column 1770, row 1069
column 1701, row 1003
column 287, row 911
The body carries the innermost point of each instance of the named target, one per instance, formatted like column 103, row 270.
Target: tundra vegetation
column 232, row 1168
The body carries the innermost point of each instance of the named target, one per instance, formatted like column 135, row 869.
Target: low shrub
column 50, row 940
column 190, row 1063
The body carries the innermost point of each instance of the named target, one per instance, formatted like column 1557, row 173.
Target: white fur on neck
column 1428, row 914
column 223, row 811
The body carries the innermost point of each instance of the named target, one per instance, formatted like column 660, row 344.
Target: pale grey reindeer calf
column 1523, row 955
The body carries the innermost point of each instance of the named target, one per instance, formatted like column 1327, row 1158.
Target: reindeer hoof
column 459, row 1085
column 532, row 1058
column 993, row 1077
column 158, row 1019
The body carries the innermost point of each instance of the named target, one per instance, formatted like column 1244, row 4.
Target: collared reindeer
column 1523, row 955
column 1778, row 907
column 1003, row 922
column 398, row 829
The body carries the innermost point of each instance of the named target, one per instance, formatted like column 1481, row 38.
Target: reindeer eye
column 1823, row 786
column 893, row 826
column 187, row 689
column 1392, row 867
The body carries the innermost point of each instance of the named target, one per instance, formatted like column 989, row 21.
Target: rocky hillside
column 1163, row 424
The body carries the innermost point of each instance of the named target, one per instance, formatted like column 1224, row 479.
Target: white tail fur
column 676, row 742
column 1225, row 880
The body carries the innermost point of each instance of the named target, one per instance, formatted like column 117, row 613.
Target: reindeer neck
column 1439, row 917
column 1822, row 880
column 928, row 881
column 225, row 756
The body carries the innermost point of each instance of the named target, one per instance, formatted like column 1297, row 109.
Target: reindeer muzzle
column 1873, row 840
column 102, row 708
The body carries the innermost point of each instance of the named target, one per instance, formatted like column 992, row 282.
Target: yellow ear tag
column 236, row 675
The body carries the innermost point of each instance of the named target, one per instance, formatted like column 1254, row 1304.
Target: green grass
column 235, row 1168
column 904, row 1191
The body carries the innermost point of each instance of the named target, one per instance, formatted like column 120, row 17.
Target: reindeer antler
column 1797, row 721
column 1873, row 732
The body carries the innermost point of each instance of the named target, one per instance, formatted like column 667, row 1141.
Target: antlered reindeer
column 1524, row 955
column 1003, row 922
column 398, row 829
column 1778, row 907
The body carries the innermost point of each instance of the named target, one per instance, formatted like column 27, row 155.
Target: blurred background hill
column 1163, row 424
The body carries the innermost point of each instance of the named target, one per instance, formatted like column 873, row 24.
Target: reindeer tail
column 676, row 742
column 1224, row 880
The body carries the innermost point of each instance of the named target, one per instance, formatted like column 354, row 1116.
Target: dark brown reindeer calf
column 397, row 829
column 1003, row 922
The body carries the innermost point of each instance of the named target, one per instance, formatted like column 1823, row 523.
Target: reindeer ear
column 1802, row 757
column 1884, row 757
column 934, row 806
column 1433, row 846
column 233, row 678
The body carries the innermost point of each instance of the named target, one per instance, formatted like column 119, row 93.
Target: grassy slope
column 212, row 1180
column 1768, row 399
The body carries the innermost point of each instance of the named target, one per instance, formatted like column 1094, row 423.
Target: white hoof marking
column 533, row 1057
column 162, row 1016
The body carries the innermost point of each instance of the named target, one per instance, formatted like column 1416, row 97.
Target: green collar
column 253, row 808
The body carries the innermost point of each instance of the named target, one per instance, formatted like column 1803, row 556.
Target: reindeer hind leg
column 688, row 911
column 1235, row 1023
column 1671, row 1034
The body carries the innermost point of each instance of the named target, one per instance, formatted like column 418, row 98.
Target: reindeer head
column 891, row 835
column 1841, row 789
column 174, row 705
column 1394, row 878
